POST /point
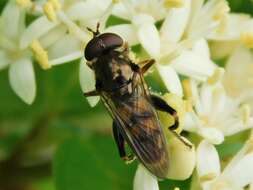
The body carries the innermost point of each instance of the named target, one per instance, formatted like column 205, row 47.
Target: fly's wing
column 138, row 123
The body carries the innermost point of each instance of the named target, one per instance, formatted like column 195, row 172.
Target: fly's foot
column 181, row 138
column 129, row 159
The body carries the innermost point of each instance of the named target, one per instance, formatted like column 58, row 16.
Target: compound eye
column 102, row 43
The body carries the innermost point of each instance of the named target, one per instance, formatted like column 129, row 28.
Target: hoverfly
column 121, row 86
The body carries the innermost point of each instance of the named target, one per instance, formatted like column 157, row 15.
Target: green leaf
column 92, row 163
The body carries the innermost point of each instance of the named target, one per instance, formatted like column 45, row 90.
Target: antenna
column 95, row 33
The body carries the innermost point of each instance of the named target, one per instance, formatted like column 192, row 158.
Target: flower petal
column 239, row 72
column 201, row 48
column 222, row 49
column 35, row 30
column 234, row 25
column 241, row 174
column 121, row 11
column 193, row 65
column 126, row 31
column 148, row 34
column 86, row 10
column 53, row 36
column 212, row 135
column 179, row 152
column 143, row 180
column 208, row 163
column 175, row 23
column 87, row 82
column 13, row 20
column 4, row 61
column 22, row 80
column 170, row 79
column 64, row 47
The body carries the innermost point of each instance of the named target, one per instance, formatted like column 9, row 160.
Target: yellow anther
column 222, row 25
column 176, row 188
column 24, row 3
column 187, row 88
column 250, row 146
column 221, row 185
column 115, row 1
column 216, row 77
column 245, row 113
column 173, row 3
column 208, row 177
column 188, row 105
column 49, row 11
column 222, row 10
column 40, row 54
column 247, row 39
column 56, row 4
column 204, row 119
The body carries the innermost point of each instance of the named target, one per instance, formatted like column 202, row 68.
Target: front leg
column 162, row 105
column 91, row 93
column 120, row 141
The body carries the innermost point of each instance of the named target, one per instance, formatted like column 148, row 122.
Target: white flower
column 194, row 63
column 215, row 113
column 235, row 32
column 238, row 79
column 143, row 180
column 21, row 73
column 59, row 32
column 142, row 15
column 87, row 81
column 184, row 48
column 235, row 176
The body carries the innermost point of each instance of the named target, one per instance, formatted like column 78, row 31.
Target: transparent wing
column 138, row 123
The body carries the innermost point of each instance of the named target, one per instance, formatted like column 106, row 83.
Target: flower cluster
column 187, row 38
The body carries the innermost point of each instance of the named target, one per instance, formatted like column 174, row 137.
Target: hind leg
column 120, row 141
column 161, row 105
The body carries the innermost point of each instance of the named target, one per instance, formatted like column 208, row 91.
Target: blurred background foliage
column 60, row 142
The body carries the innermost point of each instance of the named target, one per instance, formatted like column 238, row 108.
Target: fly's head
column 100, row 45
column 105, row 57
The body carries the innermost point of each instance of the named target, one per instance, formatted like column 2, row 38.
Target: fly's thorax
column 113, row 72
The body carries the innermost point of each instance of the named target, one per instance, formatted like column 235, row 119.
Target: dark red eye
column 98, row 45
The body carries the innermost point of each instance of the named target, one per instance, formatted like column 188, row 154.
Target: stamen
column 247, row 39
column 24, row 3
column 216, row 77
column 222, row 10
column 187, row 88
column 188, row 105
column 250, row 146
column 56, row 4
column 49, row 11
column 173, row 3
column 176, row 188
column 115, row 1
column 208, row 177
column 221, row 185
column 245, row 113
column 40, row 54
column 222, row 25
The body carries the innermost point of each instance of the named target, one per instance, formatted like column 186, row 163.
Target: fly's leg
column 91, row 93
column 181, row 138
column 120, row 141
column 161, row 105
column 145, row 65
